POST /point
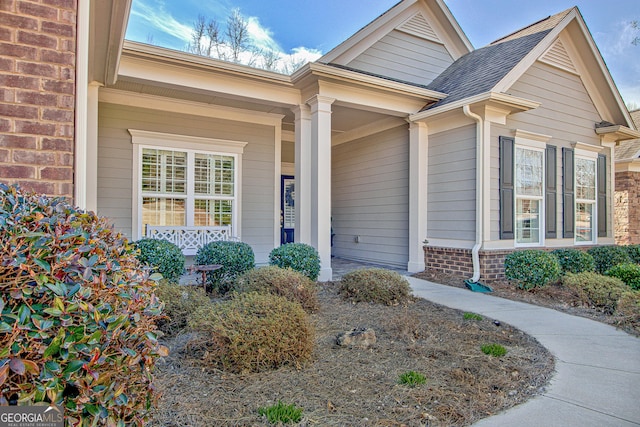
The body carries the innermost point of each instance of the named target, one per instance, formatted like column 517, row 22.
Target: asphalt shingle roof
column 479, row 71
column 629, row 150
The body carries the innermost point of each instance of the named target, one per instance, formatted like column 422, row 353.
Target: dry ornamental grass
column 359, row 386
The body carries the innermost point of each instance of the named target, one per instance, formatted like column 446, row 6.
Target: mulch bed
column 359, row 387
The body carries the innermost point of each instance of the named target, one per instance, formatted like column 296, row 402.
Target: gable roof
column 545, row 24
column 479, row 71
column 458, row 44
column 630, row 150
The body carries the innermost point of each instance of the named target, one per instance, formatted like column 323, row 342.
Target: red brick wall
column 627, row 209
column 37, row 94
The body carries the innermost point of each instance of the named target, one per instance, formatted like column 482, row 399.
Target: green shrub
column 606, row 257
column 281, row 413
column 629, row 273
column 412, row 379
column 78, row 312
column 252, row 332
column 574, row 260
column 179, row 302
column 596, row 290
column 495, row 350
column 375, row 285
column 471, row 316
column 634, row 252
column 236, row 258
column 287, row 283
column 299, row 257
column 531, row 268
column 165, row 257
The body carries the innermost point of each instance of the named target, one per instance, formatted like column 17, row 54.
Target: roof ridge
column 554, row 20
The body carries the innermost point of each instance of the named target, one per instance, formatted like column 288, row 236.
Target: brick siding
column 37, row 93
column 627, row 208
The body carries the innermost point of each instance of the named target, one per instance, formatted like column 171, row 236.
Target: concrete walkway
column 597, row 378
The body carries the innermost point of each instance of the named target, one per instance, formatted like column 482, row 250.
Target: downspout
column 475, row 257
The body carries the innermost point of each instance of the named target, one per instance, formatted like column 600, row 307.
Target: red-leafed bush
column 78, row 313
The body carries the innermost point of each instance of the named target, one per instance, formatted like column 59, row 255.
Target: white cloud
column 159, row 19
column 261, row 36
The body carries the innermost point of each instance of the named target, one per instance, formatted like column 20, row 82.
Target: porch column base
column 415, row 266
column 326, row 274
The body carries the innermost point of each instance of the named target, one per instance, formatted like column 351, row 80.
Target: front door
column 287, row 209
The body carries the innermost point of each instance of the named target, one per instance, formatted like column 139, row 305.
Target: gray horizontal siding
column 567, row 114
column 451, row 200
column 115, row 166
column 370, row 198
column 403, row 56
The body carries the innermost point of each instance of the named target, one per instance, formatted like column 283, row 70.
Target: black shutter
column 602, row 196
column 506, row 187
column 568, row 205
column 550, row 193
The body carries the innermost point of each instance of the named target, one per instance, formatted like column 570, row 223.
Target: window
column 529, row 186
column 196, row 185
column 585, row 176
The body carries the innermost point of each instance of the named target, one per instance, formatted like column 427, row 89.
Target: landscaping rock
column 357, row 337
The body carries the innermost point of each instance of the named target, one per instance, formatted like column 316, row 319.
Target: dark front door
column 287, row 209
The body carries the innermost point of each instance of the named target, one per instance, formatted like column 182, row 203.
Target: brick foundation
column 37, row 93
column 459, row 262
column 627, row 208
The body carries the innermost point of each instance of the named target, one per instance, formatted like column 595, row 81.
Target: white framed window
column 185, row 181
column 529, row 195
column 586, row 199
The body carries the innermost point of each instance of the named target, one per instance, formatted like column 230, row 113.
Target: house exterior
column 403, row 134
column 627, row 194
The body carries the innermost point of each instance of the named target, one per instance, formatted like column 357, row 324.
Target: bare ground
column 359, row 387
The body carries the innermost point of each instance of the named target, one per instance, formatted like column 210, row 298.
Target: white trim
column 586, row 150
column 592, row 157
column 153, row 102
column 628, row 166
column 557, row 48
column 450, row 243
column 540, row 199
column 418, row 165
column 81, row 114
column 144, row 139
column 534, row 139
column 368, row 129
column 277, row 185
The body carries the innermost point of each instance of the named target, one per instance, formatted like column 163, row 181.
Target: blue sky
column 308, row 29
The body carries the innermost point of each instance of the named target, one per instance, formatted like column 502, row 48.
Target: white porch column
column 418, row 161
column 302, row 232
column 321, row 181
column 91, row 185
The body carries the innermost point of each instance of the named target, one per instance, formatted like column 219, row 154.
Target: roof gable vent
column 418, row 26
column 558, row 56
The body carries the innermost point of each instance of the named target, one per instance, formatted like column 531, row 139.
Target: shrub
column 628, row 309
column 531, row 268
column 606, row 257
column 287, row 283
column 574, row 260
column 634, row 252
column 412, row 379
column 299, row 257
column 628, row 272
column 596, row 290
column 281, row 413
column 78, row 312
column 253, row 332
column 495, row 350
column 179, row 303
column 165, row 257
column 375, row 285
column 235, row 257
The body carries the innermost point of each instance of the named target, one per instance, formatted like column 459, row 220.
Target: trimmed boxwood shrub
column 236, row 258
column 299, row 257
column 78, row 313
column 531, row 268
column 628, row 272
column 574, row 260
column 375, row 285
column 163, row 256
column 606, row 257
column 252, row 332
column 179, row 303
column 634, row 252
column 287, row 283
column 596, row 290
column 628, row 310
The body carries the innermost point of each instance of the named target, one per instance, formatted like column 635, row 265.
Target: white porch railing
column 190, row 239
